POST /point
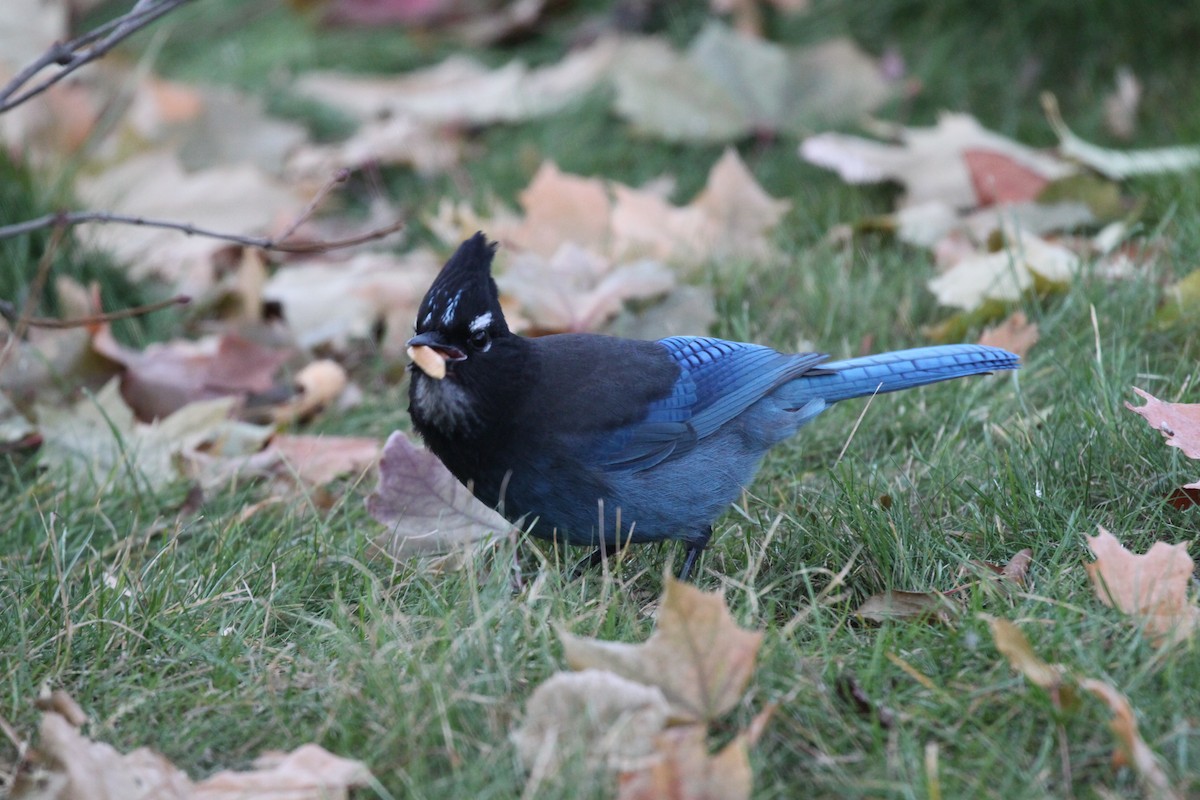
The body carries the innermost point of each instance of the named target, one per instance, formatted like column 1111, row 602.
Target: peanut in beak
column 429, row 360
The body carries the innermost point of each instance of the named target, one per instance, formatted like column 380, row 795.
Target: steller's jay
column 601, row 441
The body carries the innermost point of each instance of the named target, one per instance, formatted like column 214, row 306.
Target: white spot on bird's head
column 481, row 322
column 451, row 307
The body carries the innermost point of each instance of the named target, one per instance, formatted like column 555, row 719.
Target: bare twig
column 265, row 242
column 20, row 321
column 9, row 312
column 82, row 50
column 339, row 177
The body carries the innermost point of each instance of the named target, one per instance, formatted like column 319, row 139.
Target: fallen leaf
column 62, row 704
column 310, row 772
column 317, row 460
column 65, row 765
column 697, row 656
column 1000, row 179
column 73, row 767
column 1017, row 568
column 728, row 85
column 326, row 301
column 462, row 91
column 585, row 247
column 163, row 378
column 98, row 440
column 1013, row 645
column 1132, row 750
column 425, row 509
column 1152, row 587
column 393, row 141
column 232, row 127
column 929, row 162
column 232, row 198
column 1179, row 423
column 577, row 290
column 1006, row 274
column 1118, row 164
column 318, row 385
column 606, row 719
column 1121, row 104
column 685, row 770
column 1016, row 334
column 900, row 605
column 733, row 218
column 561, row 208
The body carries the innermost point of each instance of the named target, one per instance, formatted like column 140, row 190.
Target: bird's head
column 461, row 338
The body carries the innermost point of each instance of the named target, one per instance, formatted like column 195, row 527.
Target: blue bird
column 601, row 441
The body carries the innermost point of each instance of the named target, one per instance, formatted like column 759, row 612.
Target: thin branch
column 276, row 243
column 9, row 312
column 82, row 50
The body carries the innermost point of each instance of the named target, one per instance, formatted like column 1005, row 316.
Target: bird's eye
column 480, row 339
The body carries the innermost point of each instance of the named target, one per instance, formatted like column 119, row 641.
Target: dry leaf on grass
column 606, row 719
column 1016, row 334
column 98, row 440
column 1013, row 645
column 65, row 765
column 164, row 378
column 577, row 290
column 1006, row 274
column 238, row 198
column 585, row 247
column 425, row 509
column 728, row 85
column 1179, row 423
column 326, row 301
column 895, row 604
column 1118, row 164
column 461, row 91
column 293, row 465
column 683, row 769
column 932, row 163
column 698, row 656
column 1152, row 587
column 310, row 772
column 1132, row 750
column 317, row 385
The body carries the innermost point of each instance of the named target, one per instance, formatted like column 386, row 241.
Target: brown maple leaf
column 698, row 656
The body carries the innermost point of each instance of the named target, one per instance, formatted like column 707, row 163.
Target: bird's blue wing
column 718, row 380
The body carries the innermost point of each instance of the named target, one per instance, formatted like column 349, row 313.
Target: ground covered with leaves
column 227, row 568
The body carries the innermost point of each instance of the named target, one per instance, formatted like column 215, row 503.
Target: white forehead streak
column 481, row 322
column 448, row 314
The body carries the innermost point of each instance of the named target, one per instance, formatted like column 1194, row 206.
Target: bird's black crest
column 464, row 291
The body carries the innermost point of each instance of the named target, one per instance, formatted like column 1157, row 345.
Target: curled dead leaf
column 895, row 604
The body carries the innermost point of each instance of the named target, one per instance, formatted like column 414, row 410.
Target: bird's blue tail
column 904, row 369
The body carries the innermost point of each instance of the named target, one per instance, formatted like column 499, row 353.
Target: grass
column 212, row 638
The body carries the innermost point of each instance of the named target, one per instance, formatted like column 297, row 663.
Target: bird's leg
column 589, row 562
column 694, row 548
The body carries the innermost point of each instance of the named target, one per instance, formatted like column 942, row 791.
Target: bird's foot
column 589, row 562
column 694, row 549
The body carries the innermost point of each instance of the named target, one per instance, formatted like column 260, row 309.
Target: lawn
column 211, row 636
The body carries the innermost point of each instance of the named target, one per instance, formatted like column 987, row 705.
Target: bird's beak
column 431, row 353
